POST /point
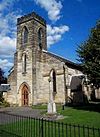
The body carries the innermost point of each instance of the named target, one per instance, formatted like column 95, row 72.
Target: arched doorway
column 25, row 95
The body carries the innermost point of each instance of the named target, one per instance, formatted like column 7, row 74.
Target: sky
column 68, row 25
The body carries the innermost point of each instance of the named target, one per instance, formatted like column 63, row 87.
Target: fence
column 20, row 126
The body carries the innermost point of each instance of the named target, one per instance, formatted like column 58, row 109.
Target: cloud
column 7, row 47
column 8, row 22
column 8, row 28
column 6, row 4
column 54, row 34
column 52, row 7
column 5, row 64
column 8, row 19
column 7, row 35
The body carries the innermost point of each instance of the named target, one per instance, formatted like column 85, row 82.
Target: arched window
column 40, row 33
column 24, row 63
column 25, row 35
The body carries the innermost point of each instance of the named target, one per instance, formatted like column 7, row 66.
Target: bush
column 5, row 104
column 1, row 97
column 0, row 103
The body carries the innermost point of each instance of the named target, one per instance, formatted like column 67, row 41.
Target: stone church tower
column 31, row 40
column 37, row 72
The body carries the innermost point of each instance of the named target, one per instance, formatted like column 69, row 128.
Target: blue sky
column 68, row 25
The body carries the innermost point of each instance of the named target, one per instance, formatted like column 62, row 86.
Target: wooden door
column 25, row 96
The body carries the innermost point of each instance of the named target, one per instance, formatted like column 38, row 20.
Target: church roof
column 66, row 61
column 11, row 70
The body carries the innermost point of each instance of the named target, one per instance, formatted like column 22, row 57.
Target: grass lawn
column 27, row 127
column 81, row 117
column 76, row 115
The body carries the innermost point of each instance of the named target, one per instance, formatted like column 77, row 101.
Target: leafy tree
column 3, row 80
column 89, row 56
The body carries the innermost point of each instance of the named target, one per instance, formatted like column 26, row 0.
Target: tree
column 89, row 56
column 3, row 80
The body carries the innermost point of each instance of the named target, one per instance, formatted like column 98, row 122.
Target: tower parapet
column 29, row 17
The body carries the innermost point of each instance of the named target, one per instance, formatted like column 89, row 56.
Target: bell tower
column 31, row 41
column 31, row 32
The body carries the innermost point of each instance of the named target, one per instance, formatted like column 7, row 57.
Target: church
column 36, row 72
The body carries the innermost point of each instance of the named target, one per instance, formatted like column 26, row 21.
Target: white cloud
column 5, row 64
column 8, row 19
column 8, row 22
column 7, row 47
column 54, row 34
column 8, row 28
column 5, row 4
column 52, row 7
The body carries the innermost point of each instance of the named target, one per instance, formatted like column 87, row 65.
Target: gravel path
column 23, row 111
column 5, row 117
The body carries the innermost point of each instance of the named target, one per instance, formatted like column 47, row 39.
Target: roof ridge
column 58, row 56
column 66, row 61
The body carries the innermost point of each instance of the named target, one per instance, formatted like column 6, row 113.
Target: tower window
column 24, row 64
column 25, row 35
column 40, row 38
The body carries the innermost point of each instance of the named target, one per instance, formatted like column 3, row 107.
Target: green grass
column 76, row 115
column 81, row 117
column 40, row 107
column 28, row 127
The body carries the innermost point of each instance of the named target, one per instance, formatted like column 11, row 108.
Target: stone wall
column 11, row 95
column 39, row 64
column 44, row 64
column 97, row 93
column 32, row 22
column 24, row 49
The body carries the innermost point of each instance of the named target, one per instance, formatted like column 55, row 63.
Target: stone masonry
column 32, row 86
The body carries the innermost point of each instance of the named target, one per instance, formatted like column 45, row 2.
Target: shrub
column 5, row 104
